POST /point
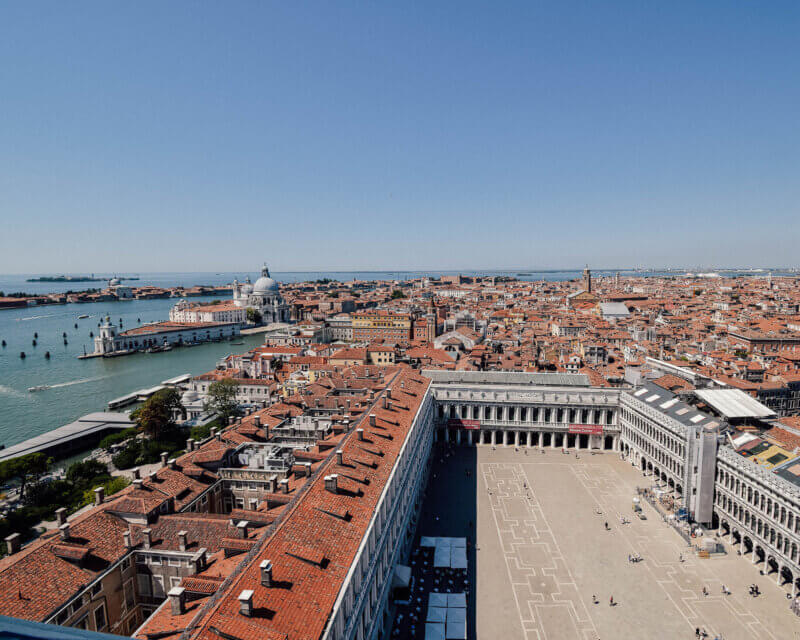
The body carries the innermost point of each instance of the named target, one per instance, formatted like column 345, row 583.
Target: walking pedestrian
column 611, row 601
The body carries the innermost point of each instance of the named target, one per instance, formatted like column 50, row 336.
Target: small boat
column 41, row 387
column 237, row 343
column 81, row 317
column 47, row 355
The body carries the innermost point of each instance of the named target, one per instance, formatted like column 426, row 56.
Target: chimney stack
column 360, row 434
column 246, row 603
column 385, row 403
column 339, row 456
column 266, row 573
column 241, row 528
column 190, row 444
column 213, row 432
column 138, row 483
column 173, row 464
column 13, row 545
column 257, row 421
column 183, row 537
column 153, row 476
column 136, row 473
column 164, row 456
column 61, row 515
column 284, row 485
column 147, row 534
column 307, row 467
column 64, row 529
column 99, row 496
column 177, row 600
column 371, row 419
column 126, row 539
column 331, row 483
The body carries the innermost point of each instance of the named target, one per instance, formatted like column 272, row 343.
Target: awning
column 402, row 576
column 437, row 600
column 458, row 558
column 441, row 557
column 427, row 541
column 435, row 631
column 436, row 614
column 457, row 600
column 456, row 631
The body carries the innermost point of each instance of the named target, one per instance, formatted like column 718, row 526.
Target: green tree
column 398, row 293
column 222, row 398
column 24, row 468
column 82, row 472
column 157, row 414
column 253, row 315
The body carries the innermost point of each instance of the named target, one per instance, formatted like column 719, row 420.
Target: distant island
column 72, row 279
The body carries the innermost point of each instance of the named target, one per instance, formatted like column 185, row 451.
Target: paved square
column 541, row 551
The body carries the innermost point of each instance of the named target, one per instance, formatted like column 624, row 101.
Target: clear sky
column 159, row 136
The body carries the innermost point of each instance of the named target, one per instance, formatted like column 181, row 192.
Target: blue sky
column 156, row 136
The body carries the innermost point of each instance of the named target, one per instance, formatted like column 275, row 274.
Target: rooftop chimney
column 284, row 485
column 136, row 473
column 385, row 403
column 256, row 421
column 360, row 434
column 147, row 534
column 172, row 463
column 164, row 456
column 339, row 456
column 307, row 467
column 183, row 537
column 190, row 444
column 213, row 432
column 266, row 573
column 126, row 539
column 177, row 600
column 64, row 529
column 371, row 419
column 153, row 476
column 241, row 528
column 99, row 495
column 13, row 545
column 331, row 483
column 138, row 483
column 61, row 515
column 246, row 603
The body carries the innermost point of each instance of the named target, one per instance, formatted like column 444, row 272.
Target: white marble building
column 264, row 296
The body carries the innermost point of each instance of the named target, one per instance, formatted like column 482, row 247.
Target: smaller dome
column 189, row 396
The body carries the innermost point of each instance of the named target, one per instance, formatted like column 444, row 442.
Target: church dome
column 265, row 284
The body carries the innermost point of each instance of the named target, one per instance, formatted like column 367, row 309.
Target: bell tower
column 587, row 279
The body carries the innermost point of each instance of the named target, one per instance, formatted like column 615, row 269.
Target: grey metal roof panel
column 734, row 403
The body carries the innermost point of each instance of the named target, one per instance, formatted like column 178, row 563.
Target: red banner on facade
column 591, row 429
column 458, row 423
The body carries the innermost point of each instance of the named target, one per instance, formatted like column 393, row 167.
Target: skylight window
column 698, row 418
column 669, row 403
column 640, row 392
column 655, row 396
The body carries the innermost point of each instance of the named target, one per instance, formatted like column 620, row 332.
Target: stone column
column 780, row 575
column 553, row 440
column 505, row 438
column 755, row 559
column 469, row 438
column 516, row 438
column 531, row 435
column 446, row 434
column 494, row 437
column 458, row 436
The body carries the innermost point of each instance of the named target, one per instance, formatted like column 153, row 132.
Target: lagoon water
column 79, row 387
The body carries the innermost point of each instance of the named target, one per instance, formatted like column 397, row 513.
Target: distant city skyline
column 442, row 136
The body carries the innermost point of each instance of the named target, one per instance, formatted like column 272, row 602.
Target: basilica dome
column 265, row 284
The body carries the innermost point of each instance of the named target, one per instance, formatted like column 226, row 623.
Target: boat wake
column 52, row 315
column 11, row 392
column 72, row 382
